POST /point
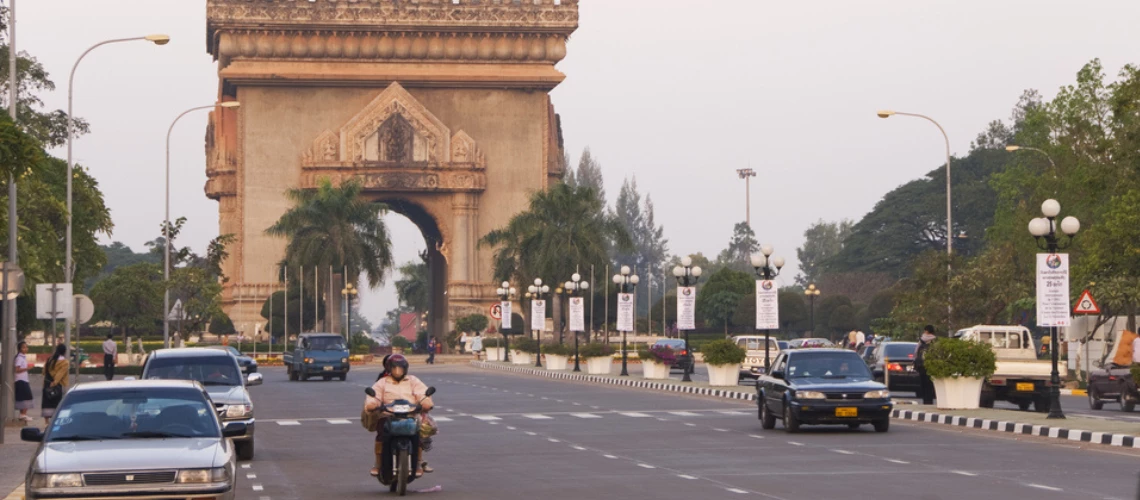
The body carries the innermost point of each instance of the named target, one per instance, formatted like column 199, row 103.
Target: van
column 753, row 345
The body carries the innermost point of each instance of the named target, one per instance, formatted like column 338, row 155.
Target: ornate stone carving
column 465, row 150
column 325, row 149
column 400, row 180
column 387, row 13
column 431, row 140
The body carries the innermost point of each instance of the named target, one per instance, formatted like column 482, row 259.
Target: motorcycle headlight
column 197, row 476
column 810, row 395
column 882, row 394
column 239, row 411
column 57, row 481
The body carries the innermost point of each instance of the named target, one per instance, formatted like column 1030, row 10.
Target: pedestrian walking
column 24, row 399
column 110, row 352
column 463, row 343
column 56, row 380
column 925, row 385
column 432, row 345
column 477, row 345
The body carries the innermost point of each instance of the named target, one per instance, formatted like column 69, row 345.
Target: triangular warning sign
column 1086, row 304
column 176, row 313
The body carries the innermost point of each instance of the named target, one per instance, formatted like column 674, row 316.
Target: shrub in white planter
column 958, row 367
column 723, row 358
column 655, row 362
column 557, row 356
column 599, row 358
column 520, row 358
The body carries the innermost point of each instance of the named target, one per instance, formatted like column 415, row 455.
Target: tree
column 822, row 241
column 414, row 286
column 741, row 247
column 826, row 307
column 474, row 323
column 650, row 247
column 200, row 293
column 296, row 303
column 222, row 325
column 717, row 300
column 131, row 298
column 793, row 311
column 336, row 227
column 589, row 175
column 119, row 255
column 842, row 320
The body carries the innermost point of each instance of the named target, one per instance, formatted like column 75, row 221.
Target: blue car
column 822, row 387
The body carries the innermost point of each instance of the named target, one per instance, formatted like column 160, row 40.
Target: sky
column 678, row 93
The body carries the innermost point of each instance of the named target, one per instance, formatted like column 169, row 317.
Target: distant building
column 408, row 323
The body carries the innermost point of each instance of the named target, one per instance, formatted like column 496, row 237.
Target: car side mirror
column 234, row 429
column 778, row 374
column 254, row 379
column 32, row 434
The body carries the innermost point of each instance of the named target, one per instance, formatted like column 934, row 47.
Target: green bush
column 723, row 352
column 595, row 350
column 525, row 344
column 558, row 349
column 401, row 342
column 953, row 358
column 492, row 343
column 1136, row 374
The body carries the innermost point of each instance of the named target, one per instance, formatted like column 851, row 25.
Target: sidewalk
column 14, row 458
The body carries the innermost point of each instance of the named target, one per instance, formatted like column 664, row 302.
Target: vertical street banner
column 687, row 308
column 1053, row 289
column 505, row 311
column 625, row 312
column 538, row 315
column 767, row 305
column 577, row 314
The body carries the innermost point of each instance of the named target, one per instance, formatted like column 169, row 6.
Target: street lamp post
column 574, row 287
column 624, row 280
column 349, row 292
column 812, row 292
column 68, row 269
column 747, row 174
column 166, row 223
column 687, row 275
column 506, row 292
column 1044, row 231
column 767, row 268
column 536, row 292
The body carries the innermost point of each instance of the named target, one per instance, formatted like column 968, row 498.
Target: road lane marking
column 690, row 424
column 509, row 428
column 443, row 419
column 756, row 436
column 486, row 418
column 338, row 421
column 536, row 416
column 737, row 490
column 596, row 407
column 646, row 466
column 552, row 440
column 546, row 398
column 736, row 413
column 585, row 415
column 1042, row 487
column 288, row 422
column 251, row 476
column 795, row 443
column 903, row 462
column 720, row 430
column 246, row 466
column 579, row 448
column 686, row 476
column 634, row 414
column 662, row 420
column 258, row 487
column 964, row 473
column 845, row 452
column 611, row 457
column 577, row 404
column 684, row 414
column 529, row 433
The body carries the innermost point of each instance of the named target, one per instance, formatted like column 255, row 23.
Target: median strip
column 623, row 382
column 1022, row 428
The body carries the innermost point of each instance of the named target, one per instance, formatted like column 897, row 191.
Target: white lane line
column 536, row 416
column 579, row 448
column 686, row 476
column 845, row 452
column 577, row 404
column 611, row 457
column 737, row 490
column 546, row 398
column 486, row 418
column 757, row 436
column 493, row 423
column 720, row 430
column 529, row 433
column 732, row 413
column 246, row 466
column 559, row 401
column 530, row 395
column 894, row 461
column 646, row 466
column 585, row 415
column 449, row 410
column 443, row 419
column 251, row 476
column 552, row 440
column 1042, row 487
column 288, row 422
column 964, row 473
column 258, row 487
column 795, row 443
column 596, row 407
column 338, row 421
column 662, row 420
column 634, row 414
column 509, row 428
column 684, row 414
column 690, row 424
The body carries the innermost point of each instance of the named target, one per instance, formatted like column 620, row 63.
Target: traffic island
column 744, row 393
column 1073, row 428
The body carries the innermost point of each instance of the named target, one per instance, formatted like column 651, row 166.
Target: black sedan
column 896, row 361
column 684, row 357
column 822, row 387
column 248, row 365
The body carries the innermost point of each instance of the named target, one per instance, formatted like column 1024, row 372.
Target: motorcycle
column 400, row 446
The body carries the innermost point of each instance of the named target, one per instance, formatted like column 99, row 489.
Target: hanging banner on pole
column 687, row 308
column 767, row 305
column 577, row 314
column 538, row 315
column 625, row 312
column 505, row 312
column 1053, row 289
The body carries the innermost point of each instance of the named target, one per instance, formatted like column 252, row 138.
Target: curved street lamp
column 1044, row 231
column 623, row 280
column 536, row 292
column 349, row 292
column 687, row 275
column 812, row 292
column 574, row 287
column 506, row 292
column 767, row 268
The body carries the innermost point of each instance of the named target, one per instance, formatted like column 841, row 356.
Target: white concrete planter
column 724, row 375
column 600, row 365
column 653, row 370
column 556, row 361
column 960, row 393
column 521, row 358
column 495, row 353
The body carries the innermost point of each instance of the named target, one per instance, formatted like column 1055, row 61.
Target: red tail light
column 1110, row 377
column 684, row 352
column 894, row 367
column 911, row 355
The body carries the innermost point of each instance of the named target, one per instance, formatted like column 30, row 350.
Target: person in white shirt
column 1136, row 351
column 24, row 397
column 110, row 352
column 860, row 338
column 463, row 342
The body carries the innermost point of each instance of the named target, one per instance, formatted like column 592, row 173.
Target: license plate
column 847, row 412
column 1025, row 386
column 328, row 368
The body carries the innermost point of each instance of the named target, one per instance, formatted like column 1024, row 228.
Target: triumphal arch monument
column 440, row 108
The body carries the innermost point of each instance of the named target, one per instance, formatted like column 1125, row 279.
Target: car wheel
column 1126, row 403
column 304, row 377
column 244, row 449
column 853, row 426
column 767, row 419
column 791, row 423
column 986, row 401
column 883, row 425
column 1094, row 401
column 343, row 377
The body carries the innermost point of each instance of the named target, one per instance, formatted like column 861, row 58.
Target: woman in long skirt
column 55, row 374
column 24, row 398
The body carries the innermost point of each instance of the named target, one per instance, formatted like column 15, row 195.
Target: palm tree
column 414, row 287
column 337, row 227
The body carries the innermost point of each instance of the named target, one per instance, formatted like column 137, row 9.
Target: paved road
column 508, row 436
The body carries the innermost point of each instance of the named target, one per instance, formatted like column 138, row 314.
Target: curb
column 642, row 384
column 1119, row 440
column 17, row 494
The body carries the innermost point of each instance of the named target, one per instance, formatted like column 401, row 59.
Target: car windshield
column 828, row 365
column 900, row 351
column 209, row 370
column 134, row 414
column 326, row 344
column 672, row 344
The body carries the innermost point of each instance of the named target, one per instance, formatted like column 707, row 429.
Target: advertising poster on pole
column 767, row 305
column 1053, row 289
column 577, row 314
column 505, row 311
column 687, row 308
column 538, row 315
column 625, row 312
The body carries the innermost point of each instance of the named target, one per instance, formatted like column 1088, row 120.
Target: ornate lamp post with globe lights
column 1044, row 230
column 536, row 292
column 506, row 292
column 687, row 276
column 767, row 267
column 812, row 292
column 574, row 288
column 623, row 281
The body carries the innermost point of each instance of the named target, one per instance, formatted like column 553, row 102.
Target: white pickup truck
column 1020, row 377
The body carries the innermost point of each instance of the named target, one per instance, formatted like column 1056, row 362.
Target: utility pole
column 8, row 377
column 747, row 174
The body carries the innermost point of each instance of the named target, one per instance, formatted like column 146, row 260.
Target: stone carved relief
column 432, row 139
column 497, row 14
column 465, row 150
column 325, row 149
column 396, row 140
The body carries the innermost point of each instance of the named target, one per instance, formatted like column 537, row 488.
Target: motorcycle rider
column 395, row 385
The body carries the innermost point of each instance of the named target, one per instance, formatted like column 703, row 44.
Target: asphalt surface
column 510, row 436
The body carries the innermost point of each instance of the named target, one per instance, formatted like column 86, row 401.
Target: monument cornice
column 408, row 180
